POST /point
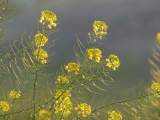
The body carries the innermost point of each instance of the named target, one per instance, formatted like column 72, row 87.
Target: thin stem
column 34, row 85
column 124, row 101
column 34, row 90
column 35, row 80
column 119, row 102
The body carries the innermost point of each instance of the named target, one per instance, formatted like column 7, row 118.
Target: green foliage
column 152, row 108
column 74, row 92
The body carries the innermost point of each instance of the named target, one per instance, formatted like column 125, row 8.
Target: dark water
column 133, row 25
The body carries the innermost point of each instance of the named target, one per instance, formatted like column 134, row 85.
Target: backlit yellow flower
column 63, row 105
column 83, row 109
column 40, row 39
column 114, row 115
column 155, row 86
column 94, row 53
column 14, row 94
column 72, row 67
column 41, row 55
column 44, row 114
column 62, row 79
column 43, row 61
column 64, row 95
column 113, row 62
column 89, row 34
column 48, row 18
column 158, row 37
column 100, row 29
column 4, row 106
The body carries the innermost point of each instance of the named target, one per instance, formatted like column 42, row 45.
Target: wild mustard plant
column 84, row 78
column 94, row 53
column 155, row 86
column 40, row 40
column 158, row 37
column 62, row 79
column 114, row 115
column 100, row 29
column 63, row 105
column 83, row 109
column 48, row 18
column 151, row 109
column 41, row 55
column 43, row 114
column 4, row 106
column 72, row 67
column 112, row 62
column 13, row 94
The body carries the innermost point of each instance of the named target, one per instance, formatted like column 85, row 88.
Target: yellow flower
column 113, row 62
column 114, row 115
column 41, row 55
column 62, row 79
column 43, row 61
column 61, row 94
column 100, row 29
column 44, row 114
column 40, row 39
column 72, row 67
column 63, row 107
column 94, row 53
column 48, row 18
column 83, row 109
column 63, row 104
column 4, row 106
column 14, row 94
column 158, row 37
column 155, row 86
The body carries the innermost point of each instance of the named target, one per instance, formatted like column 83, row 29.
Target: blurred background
column 133, row 25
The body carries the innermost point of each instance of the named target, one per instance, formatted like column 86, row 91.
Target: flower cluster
column 4, row 106
column 14, row 94
column 41, row 55
column 48, row 18
column 113, row 62
column 72, row 67
column 44, row 114
column 63, row 103
column 83, row 109
column 114, row 115
column 158, row 37
column 100, row 29
column 155, row 86
column 40, row 40
column 94, row 53
column 62, row 79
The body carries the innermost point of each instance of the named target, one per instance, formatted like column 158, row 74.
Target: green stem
column 34, row 91
column 119, row 102
column 124, row 101
column 34, row 85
